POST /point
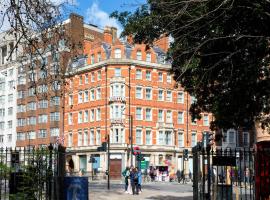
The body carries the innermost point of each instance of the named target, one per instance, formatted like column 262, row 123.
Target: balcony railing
column 117, row 99
column 164, row 125
column 117, row 79
column 117, row 121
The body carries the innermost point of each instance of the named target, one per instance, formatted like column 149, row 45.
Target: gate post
column 195, row 152
column 61, row 172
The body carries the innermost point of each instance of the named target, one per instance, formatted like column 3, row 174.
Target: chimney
column 108, row 37
column 114, row 34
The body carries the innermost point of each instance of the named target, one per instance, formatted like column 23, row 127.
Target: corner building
column 122, row 80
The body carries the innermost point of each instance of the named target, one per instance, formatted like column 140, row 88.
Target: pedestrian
column 134, row 179
column 152, row 174
column 183, row 177
column 126, row 174
column 139, row 180
column 190, row 176
column 178, row 175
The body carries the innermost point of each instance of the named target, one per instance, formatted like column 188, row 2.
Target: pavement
column 151, row 190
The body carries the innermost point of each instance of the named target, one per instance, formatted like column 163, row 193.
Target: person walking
column 183, row 177
column 126, row 174
column 139, row 180
column 178, row 175
column 134, row 179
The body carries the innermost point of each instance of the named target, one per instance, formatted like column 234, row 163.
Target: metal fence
column 231, row 174
column 29, row 173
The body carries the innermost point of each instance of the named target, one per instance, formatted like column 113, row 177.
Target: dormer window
column 117, row 53
column 139, row 55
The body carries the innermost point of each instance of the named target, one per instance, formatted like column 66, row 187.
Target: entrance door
column 115, row 168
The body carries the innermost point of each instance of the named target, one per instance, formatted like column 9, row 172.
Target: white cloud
column 100, row 18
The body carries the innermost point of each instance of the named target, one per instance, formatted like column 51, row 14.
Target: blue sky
column 97, row 11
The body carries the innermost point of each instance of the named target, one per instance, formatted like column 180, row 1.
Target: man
column 126, row 174
column 178, row 175
column 134, row 179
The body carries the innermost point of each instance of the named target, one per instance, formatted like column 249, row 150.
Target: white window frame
column 148, row 130
column 150, row 118
column 180, row 133
column 169, row 116
column 169, row 95
column 180, row 97
column 117, row 53
column 206, row 120
column 138, row 74
column 160, row 77
column 141, row 136
column 151, row 93
column 139, row 95
column 141, row 113
column 180, row 113
column 161, row 99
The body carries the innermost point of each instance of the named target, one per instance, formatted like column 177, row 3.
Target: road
column 154, row 191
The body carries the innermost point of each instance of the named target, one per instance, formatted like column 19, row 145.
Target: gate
column 30, row 173
column 231, row 174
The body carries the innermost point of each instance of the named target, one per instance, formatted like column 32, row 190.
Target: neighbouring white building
column 8, row 91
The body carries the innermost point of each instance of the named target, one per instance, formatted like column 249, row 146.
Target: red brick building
column 121, row 80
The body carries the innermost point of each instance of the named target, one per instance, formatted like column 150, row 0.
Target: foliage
column 219, row 52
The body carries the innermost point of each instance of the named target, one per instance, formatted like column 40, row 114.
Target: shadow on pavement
column 161, row 197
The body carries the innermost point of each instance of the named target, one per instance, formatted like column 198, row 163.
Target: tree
column 219, row 53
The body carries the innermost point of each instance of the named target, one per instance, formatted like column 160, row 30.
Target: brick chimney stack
column 108, row 36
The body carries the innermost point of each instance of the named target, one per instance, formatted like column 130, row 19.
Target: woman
column 139, row 180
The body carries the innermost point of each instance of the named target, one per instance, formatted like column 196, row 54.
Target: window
column 92, row 59
column 98, row 137
column 245, row 139
column 80, row 138
column 2, row 125
column 148, row 93
column 70, row 139
column 70, row 99
column 86, row 116
column 92, row 136
column 231, row 137
column 10, row 72
column 80, row 97
column 11, row 85
column 98, row 114
column 180, row 139
column 193, row 139
column 43, row 104
column 139, row 55
column 2, row 112
column 148, row 137
column 20, row 108
column 10, row 98
column 31, row 135
column 54, row 116
column 92, row 95
column 80, row 80
column 116, row 111
column 10, row 124
column 92, row 115
column 42, row 133
column 31, row 91
column 41, row 89
column 169, row 78
column 98, row 93
column 86, row 96
column 2, row 100
column 85, row 139
column 20, row 122
column 148, row 75
column 55, row 101
column 205, row 120
column 21, row 80
column 42, row 119
column 148, row 57
column 20, row 136
column 180, row 118
column 160, row 95
column 10, row 110
column 55, row 132
column 139, row 94
column 160, row 137
column 117, row 72
column 31, row 106
column 31, row 120
column 169, row 116
column 93, row 77
column 99, row 56
column 117, row 90
column 86, row 78
column 169, row 95
column 2, row 86
column 80, row 117
column 160, row 76
column 1, row 139
column 138, row 74
column 99, row 75
column 160, row 116
column 168, row 138
column 43, row 74
column 9, row 137
column 180, row 97
column 21, row 94
column 139, row 113
column 70, row 118
column 148, row 115
column 138, row 136
column 117, row 53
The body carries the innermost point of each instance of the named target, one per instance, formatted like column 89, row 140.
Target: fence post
column 61, row 172
column 195, row 173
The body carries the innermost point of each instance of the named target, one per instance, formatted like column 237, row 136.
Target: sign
column 224, row 160
column 144, row 164
column 76, row 188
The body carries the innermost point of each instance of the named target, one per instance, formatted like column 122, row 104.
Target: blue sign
column 76, row 188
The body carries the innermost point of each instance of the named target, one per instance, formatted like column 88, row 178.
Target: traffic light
column 92, row 159
column 140, row 157
column 185, row 154
column 103, row 147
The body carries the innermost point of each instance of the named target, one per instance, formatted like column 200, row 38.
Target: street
column 155, row 191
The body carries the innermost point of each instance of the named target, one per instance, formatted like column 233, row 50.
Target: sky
column 97, row 12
